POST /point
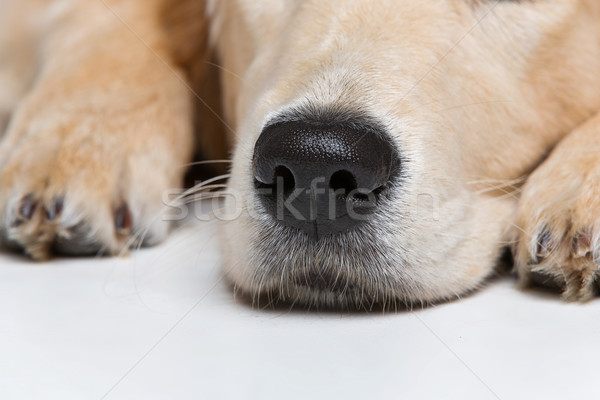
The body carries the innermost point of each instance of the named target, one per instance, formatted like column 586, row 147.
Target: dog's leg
column 17, row 55
column 104, row 131
column 559, row 216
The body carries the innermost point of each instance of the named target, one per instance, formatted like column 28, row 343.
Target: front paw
column 559, row 221
column 80, row 185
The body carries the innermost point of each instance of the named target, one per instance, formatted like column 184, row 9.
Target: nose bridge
column 352, row 60
column 348, row 63
column 336, row 66
column 341, row 81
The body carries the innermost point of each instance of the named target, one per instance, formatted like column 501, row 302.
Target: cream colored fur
column 476, row 94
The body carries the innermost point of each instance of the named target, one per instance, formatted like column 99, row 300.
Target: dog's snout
column 322, row 178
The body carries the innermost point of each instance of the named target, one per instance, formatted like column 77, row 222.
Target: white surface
column 163, row 325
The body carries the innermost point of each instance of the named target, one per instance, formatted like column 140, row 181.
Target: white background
column 162, row 324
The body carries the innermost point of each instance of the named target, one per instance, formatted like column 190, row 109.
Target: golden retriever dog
column 383, row 151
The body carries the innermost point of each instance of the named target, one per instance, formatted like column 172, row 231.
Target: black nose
column 323, row 178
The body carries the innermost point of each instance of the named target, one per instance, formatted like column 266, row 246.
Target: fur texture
column 475, row 95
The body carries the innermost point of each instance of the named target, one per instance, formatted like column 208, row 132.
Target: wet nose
column 323, row 178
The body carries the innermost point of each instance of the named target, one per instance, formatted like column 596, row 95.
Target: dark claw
column 28, row 207
column 582, row 244
column 56, row 209
column 544, row 244
column 123, row 219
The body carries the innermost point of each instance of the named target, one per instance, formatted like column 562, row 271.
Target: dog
column 383, row 151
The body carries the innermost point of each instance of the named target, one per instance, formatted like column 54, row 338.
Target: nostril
column 283, row 177
column 342, row 182
column 281, row 180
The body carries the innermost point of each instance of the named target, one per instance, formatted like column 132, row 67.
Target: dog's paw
column 559, row 222
column 85, row 184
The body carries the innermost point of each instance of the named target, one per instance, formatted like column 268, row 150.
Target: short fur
column 492, row 104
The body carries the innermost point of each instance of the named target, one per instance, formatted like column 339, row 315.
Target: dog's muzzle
column 323, row 178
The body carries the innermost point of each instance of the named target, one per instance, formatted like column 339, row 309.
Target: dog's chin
column 325, row 299
column 354, row 270
column 312, row 290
